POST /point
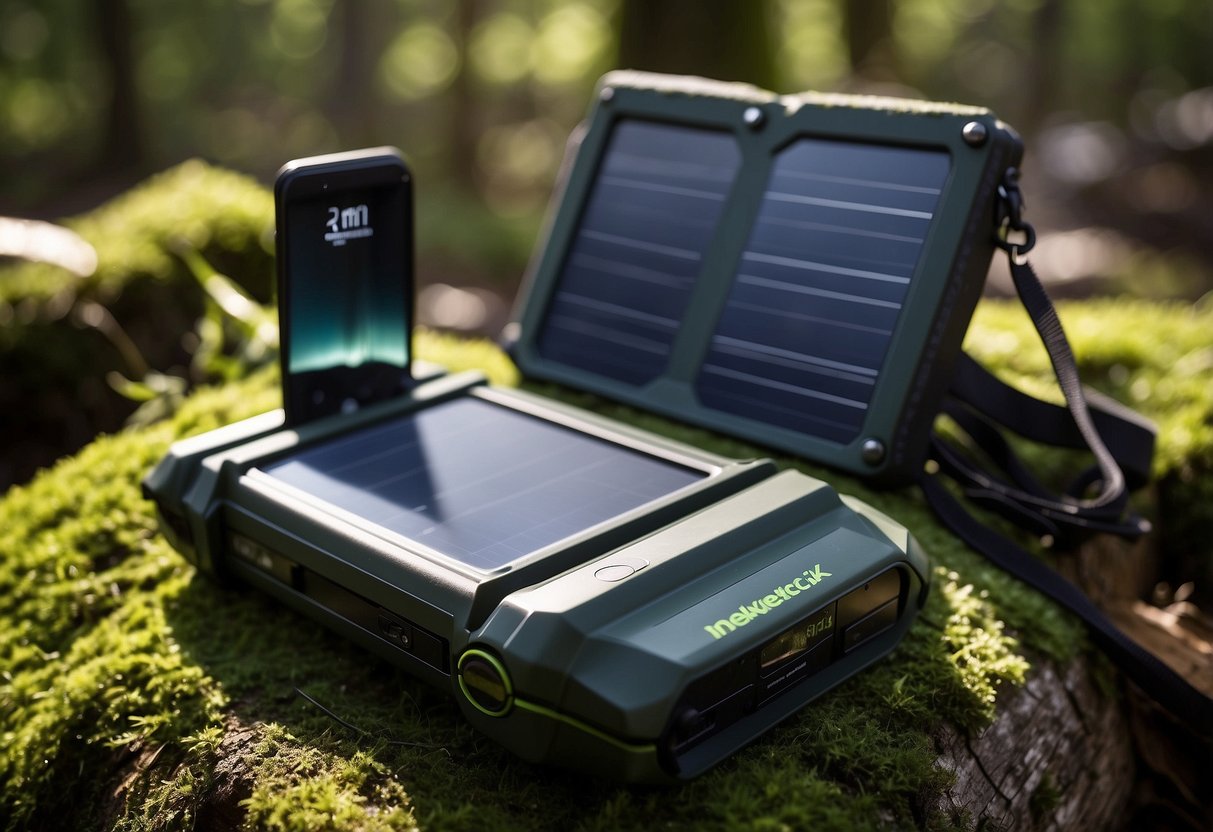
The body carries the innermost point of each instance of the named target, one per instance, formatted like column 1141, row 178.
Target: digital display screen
column 797, row 640
column 347, row 283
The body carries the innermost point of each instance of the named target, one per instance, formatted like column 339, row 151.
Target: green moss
column 163, row 701
column 60, row 334
column 305, row 788
column 225, row 215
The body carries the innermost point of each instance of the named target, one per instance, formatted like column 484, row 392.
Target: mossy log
column 136, row 694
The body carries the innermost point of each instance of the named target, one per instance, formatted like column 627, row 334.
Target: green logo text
column 761, row 606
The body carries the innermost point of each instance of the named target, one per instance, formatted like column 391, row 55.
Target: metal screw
column 754, row 117
column 607, row 94
column 975, row 134
column 873, row 451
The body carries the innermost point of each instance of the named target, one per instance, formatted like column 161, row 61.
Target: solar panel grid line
column 805, row 225
column 813, row 266
column 844, row 205
column 808, row 372
column 643, row 245
column 866, row 183
column 756, row 280
column 616, row 309
column 605, row 333
column 624, row 162
column 794, row 389
column 489, row 503
column 872, row 258
column 371, row 507
column 626, row 270
column 469, row 533
column 810, row 363
column 811, row 319
column 534, row 537
column 623, row 208
column 673, row 190
column 785, row 416
column 452, row 428
column 638, row 249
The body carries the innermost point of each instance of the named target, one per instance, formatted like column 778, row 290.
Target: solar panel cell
column 628, row 276
column 480, row 482
column 820, row 285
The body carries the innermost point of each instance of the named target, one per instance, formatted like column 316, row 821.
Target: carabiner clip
column 1010, row 218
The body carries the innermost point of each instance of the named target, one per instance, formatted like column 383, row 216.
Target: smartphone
column 345, row 280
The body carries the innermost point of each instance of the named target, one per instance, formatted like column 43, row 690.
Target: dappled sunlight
column 984, row 654
column 47, row 243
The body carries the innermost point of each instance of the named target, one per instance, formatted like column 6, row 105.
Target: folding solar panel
column 792, row 270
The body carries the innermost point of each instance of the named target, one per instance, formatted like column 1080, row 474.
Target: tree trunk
column 869, row 33
column 1042, row 69
column 728, row 41
column 122, row 139
column 353, row 106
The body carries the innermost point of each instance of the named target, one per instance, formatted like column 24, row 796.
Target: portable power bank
column 592, row 595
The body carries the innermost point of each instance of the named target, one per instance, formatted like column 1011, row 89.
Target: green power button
column 485, row 683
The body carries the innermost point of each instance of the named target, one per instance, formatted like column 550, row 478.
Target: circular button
column 485, row 683
column 615, row 572
column 619, row 568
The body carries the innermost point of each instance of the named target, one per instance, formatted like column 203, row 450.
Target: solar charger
column 595, row 596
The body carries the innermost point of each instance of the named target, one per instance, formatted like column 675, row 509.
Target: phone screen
column 345, row 288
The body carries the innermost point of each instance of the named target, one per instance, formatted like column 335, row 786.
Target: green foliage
column 1046, row 798
column 165, row 701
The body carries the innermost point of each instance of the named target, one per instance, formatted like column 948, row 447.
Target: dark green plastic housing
column 668, row 629
column 889, row 443
column 616, row 650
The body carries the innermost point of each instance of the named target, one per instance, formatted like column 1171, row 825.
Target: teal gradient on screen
column 348, row 281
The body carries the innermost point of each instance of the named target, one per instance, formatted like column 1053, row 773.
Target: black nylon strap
column 981, row 405
column 1147, row 671
column 1128, row 435
column 1044, row 318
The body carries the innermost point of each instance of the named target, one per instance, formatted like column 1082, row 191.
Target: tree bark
column 1059, row 756
column 352, row 106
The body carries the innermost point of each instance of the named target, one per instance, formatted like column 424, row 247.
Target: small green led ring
column 490, row 690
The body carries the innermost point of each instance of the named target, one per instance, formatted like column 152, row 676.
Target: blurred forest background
column 1114, row 99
